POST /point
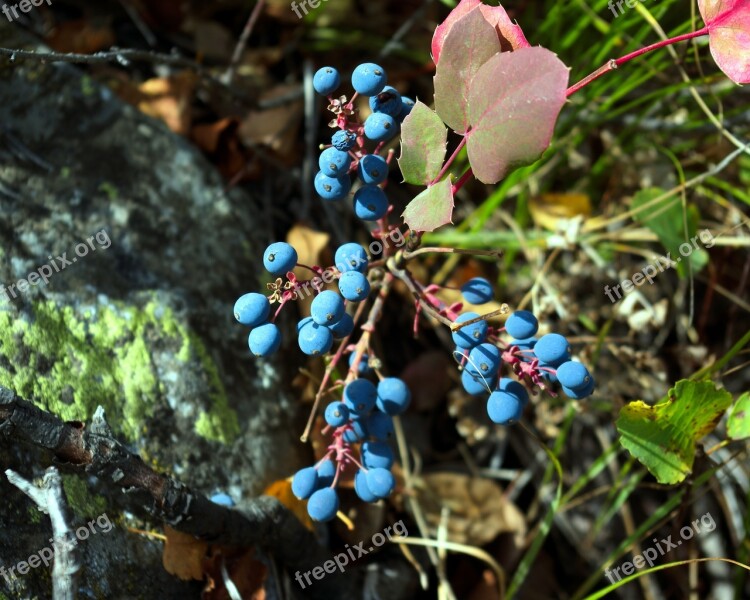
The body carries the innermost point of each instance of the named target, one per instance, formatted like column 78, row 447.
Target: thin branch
column 51, row 500
column 242, row 42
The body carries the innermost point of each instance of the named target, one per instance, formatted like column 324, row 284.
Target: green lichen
column 70, row 363
column 85, row 505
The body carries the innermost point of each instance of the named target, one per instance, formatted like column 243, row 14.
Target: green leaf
column 469, row 44
column 738, row 425
column 432, row 208
column 663, row 437
column 423, row 142
column 668, row 225
column 514, row 102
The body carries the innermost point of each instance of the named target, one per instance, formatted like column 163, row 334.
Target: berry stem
column 612, row 64
column 462, row 181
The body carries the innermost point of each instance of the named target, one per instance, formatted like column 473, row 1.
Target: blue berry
column 356, row 432
column 477, row 290
column 549, row 377
column 582, row 393
column 363, row 368
column 471, row 335
column 360, row 396
column 370, row 203
column 361, row 489
column 388, row 101
column 573, row 375
column 476, row 384
column 380, row 127
column 252, row 309
column 351, row 257
column 314, row 339
column 304, row 322
column 376, row 454
column 513, row 387
column 279, row 258
column 406, row 105
column 343, row 328
column 222, row 499
column 525, row 344
column 326, row 473
column 327, row 308
column 393, row 396
column 332, row 188
column 380, row 482
column 326, row 80
column 552, row 349
column 521, row 324
column 305, row 482
column 373, row 168
column 344, row 140
column 504, row 408
column 354, row 286
column 380, row 426
column 334, row 163
column 484, row 359
column 323, row 505
column 369, row 79
column 336, row 414
column 264, row 340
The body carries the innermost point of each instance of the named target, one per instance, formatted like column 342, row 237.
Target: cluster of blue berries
column 347, row 153
column 536, row 362
column 363, row 416
column 328, row 318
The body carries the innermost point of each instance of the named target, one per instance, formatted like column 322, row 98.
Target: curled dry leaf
column 479, row 511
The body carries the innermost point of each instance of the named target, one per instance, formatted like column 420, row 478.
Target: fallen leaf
column 82, row 36
column 479, row 511
column 183, row 555
column 548, row 209
column 275, row 128
column 246, row 573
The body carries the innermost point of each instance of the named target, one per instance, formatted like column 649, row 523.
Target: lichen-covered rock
column 138, row 253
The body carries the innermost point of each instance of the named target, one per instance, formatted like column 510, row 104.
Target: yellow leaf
column 282, row 489
column 548, row 209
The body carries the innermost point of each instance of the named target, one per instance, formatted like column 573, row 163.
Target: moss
column 35, row 515
column 108, row 189
column 85, row 505
column 69, row 364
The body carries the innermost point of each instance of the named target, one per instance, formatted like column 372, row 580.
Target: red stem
column 462, row 180
column 449, row 162
column 614, row 63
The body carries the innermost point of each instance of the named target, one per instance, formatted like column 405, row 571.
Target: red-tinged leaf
column 423, row 141
column 514, row 102
column 441, row 31
column 469, row 44
column 728, row 24
column 431, row 209
column 511, row 35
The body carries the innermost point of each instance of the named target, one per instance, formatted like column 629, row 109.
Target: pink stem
column 449, row 162
column 461, row 181
column 614, row 63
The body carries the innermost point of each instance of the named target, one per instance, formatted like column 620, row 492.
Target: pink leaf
column 509, row 34
column 469, row 44
column 463, row 8
column 728, row 24
column 514, row 101
column 430, row 209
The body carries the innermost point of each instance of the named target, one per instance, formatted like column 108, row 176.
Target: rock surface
column 139, row 321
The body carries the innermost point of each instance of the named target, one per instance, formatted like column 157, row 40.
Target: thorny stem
column 612, row 64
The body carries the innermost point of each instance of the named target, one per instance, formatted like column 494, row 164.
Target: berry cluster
column 328, row 318
column 536, row 362
column 363, row 416
column 347, row 153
